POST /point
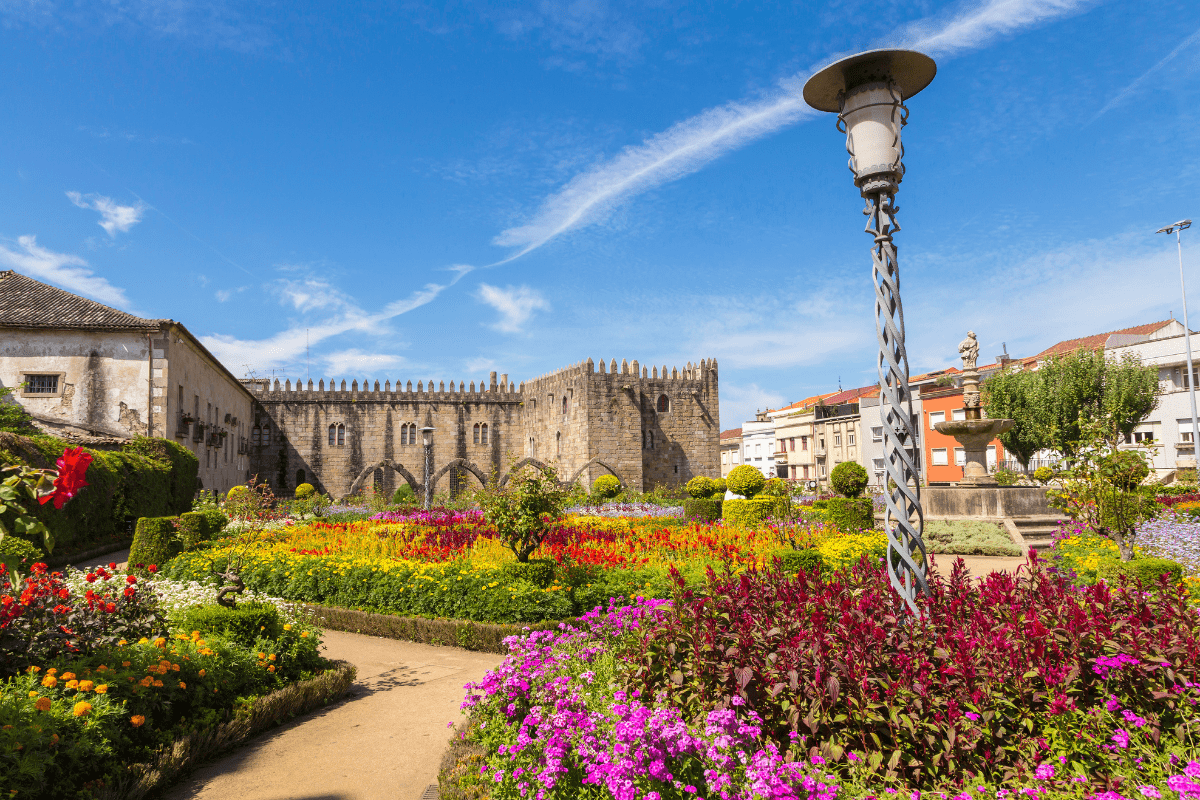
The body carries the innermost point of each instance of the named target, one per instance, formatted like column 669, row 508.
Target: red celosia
column 72, row 466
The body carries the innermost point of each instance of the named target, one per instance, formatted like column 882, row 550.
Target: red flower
column 90, row 578
column 110, row 608
column 112, row 565
column 72, row 466
column 130, row 591
column 131, row 578
column 152, row 568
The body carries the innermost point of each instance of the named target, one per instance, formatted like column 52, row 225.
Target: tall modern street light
column 868, row 91
column 1183, row 225
column 427, row 439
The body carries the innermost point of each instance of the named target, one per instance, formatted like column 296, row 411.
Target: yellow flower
column 262, row 655
column 52, row 671
column 33, row 694
column 304, row 634
column 271, row 657
column 287, row 627
column 81, row 708
column 160, row 642
column 43, row 704
column 66, row 676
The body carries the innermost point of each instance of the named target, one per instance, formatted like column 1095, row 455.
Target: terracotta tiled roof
column 807, row 402
column 26, row 303
column 848, row 396
column 1096, row 341
column 732, row 433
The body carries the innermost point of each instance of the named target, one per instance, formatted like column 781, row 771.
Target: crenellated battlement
column 699, row 371
column 267, row 390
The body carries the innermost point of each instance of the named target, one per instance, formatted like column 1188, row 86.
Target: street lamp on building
column 867, row 91
column 427, row 439
column 1183, row 225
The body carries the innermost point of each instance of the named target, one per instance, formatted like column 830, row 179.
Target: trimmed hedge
column 215, row 519
column 806, row 560
column 470, row 635
column 1146, row 570
column 154, row 541
column 753, row 512
column 193, row 529
column 244, row 624
column 145, row 478
column 745, row 480
column 850, row 514
column 704, row 508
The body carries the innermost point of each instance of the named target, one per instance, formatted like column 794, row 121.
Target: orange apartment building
column 944, row 457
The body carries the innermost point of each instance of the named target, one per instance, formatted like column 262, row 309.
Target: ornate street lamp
column 868, row 91
column 1183, row 225
column 427, row 439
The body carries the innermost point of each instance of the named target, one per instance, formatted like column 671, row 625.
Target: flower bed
column 450, row 564
column 97, row 675
column 812, row 686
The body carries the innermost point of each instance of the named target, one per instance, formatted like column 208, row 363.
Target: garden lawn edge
column 267, row 711
column 484, row 637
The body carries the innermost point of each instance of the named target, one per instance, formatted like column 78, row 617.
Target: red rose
column 72, row 466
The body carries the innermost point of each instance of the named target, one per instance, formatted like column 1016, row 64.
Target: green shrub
column 806, row 560
column 776, row 487
column 193, row 529
column 746, row 481
column 304, row 491
column 606, row 487
column 968, row 538
column 1043, row 475
column 1006, row 477
column 702, row 508
column 850, row 514
column 753, row 512
column 1146, row 570
column 849, row 479
column 146, row 478
column 22, row 549
column 215, row 519
column 404, row 496
column 243, row 625
column 537, row 571
column 237, row 492
column 720, row 486
column 154, row 541
column 700, row 487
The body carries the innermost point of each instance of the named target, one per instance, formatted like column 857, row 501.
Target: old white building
column 758, row 443
column 84, row 370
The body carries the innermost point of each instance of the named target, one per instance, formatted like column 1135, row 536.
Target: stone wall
column 609, row 414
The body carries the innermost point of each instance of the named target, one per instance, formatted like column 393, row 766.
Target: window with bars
column 41, row 384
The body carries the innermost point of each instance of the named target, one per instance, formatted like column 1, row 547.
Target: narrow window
column 564, row 404
column 664, row 404
column 476, row 433
column 266, row 433
column 850, row 438
column 403, row 434
column 332, row 435
column 643, row 438
column 558, row 444
column 651, row 440
column 254, row 434
column 341, row 435
column 483, row 436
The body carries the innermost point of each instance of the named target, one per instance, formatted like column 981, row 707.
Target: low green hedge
column 504, row 594
column 145, row 478
column 850, row 514
column 805, row 560
column 755, row 511
column 1147, row 570
column 702, row 508
column 193, row 529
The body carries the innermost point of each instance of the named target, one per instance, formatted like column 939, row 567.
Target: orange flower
column 43, row 704
column 53, row 739
column 271, row 657
column 160, row 642
column 158, row 684
column 49, row 681
column 182, row 685
column 101, row 668
column 201, row 673
column 175, row 667
column 52, row 671
column 34, row 669
column 124, row 663
column 271, row 668
column 72, row 684
column 137, row 720
column 66, row 676
column 81, row 708
column 86, row 686
column 102, row 689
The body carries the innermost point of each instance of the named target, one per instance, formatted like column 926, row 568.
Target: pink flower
column 1149, row 791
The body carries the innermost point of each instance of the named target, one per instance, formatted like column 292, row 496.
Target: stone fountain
column 973, row 433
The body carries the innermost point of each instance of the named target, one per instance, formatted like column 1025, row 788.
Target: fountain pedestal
column 974, row 436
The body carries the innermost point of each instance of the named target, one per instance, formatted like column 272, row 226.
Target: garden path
column 384, row 742
column 978, row 566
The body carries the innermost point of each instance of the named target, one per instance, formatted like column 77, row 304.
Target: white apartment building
column 758, row 443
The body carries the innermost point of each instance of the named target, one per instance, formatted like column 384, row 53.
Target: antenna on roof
column 839, row 383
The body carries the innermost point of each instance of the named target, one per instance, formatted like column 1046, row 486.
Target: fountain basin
column 974, row 436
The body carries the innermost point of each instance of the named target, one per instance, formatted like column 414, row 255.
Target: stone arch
column 520, row 465
column 598, row 463
column 369, row 471
column 461, row 463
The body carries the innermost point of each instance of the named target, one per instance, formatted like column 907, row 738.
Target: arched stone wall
column 461, row 463
column 417, row 488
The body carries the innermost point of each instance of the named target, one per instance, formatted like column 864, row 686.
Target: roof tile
column 26, row 303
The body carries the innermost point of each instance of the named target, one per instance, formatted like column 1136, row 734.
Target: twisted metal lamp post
column 427, row 440
column 867, row 91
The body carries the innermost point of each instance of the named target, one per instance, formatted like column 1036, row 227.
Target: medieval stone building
column 647, row 427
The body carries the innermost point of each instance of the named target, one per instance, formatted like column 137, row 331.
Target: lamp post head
column 1182, row 225
column 427, row 435
column 868, row 91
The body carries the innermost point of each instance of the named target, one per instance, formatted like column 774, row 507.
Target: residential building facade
column 758, row 443
column 731, row 450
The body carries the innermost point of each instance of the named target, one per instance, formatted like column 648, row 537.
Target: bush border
column 483, row 637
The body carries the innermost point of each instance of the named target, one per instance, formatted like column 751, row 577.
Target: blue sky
column 427, row 193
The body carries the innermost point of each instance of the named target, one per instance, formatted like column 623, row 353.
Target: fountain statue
column 974, row 432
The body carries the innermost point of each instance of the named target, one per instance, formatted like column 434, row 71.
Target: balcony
column 781, row 457
column 198, row 432
column 182, row 428
column 819, row 452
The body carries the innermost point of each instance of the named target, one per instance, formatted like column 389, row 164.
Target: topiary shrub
column 245, row 624
column 776, row 487
column 1043, row 475
column 1146, row 570
column 849, row 479
column 720, row 486
column 236, row 492
column 304, row 491
column 745, row 480
column 606, row 487
column 404, row 496
column 745, row 513
column 215, row 519
column 702, row 508
column 850, row 514
column 807, row 560
column 193, row 529
column 538, row 571
column 154, row 541
column 700, row 487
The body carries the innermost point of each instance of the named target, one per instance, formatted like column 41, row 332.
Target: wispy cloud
column 224, row 295
column 359, row 362
column 61, row 269
column 480, row 364
column 1131, row 88
column 114, row 217
column 515, row 304
column 740, row 401
column 691, row 144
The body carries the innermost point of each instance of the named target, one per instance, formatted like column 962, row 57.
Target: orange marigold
column 81, row 708
column 137, row 720
column 43, row 704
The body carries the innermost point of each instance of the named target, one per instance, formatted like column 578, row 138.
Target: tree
column 1014, row 395
column 523, row 511
column 13, row 417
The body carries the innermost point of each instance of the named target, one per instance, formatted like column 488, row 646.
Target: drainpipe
column 150, row 385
